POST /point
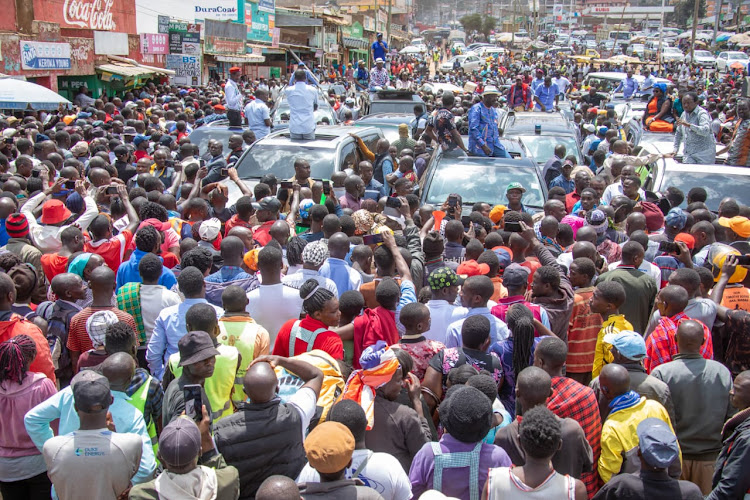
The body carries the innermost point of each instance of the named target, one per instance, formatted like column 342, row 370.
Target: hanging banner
column 163, row 26
column 220, row 10
column 44, row 55
column 154, row 43
column 187, row 69
column 101, row 15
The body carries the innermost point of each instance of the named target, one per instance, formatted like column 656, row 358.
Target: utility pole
column 716, row 23
column 696, row 7
column 661, row 37
column 536, row 19
column 388, row 25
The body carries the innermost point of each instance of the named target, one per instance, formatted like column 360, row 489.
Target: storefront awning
column 292, row 21
column 129, row 69
column 246, row 59
column 355, row 43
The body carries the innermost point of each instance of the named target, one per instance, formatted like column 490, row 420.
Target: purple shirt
column 349, row 201
column 455, row 482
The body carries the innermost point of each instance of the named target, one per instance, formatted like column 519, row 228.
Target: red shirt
column 235, row 221
column 111, row 250
column 262, row 233
column 661, row 345
column 327, row 341
column 570, row 200
column 53, row 264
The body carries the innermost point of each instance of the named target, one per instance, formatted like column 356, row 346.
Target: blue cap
column 628, row 343
column 84, row 115
column 503, row 256
column 140, row 138
column 657, row 442
column 603, row 130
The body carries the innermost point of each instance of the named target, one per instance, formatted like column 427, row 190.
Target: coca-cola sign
column 91, row 14
column 97, row 15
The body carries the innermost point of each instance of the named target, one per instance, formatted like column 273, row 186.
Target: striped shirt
column 583, row 332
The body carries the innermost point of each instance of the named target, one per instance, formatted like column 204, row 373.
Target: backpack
column 58, row 324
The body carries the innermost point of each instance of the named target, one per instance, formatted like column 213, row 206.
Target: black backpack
column 58, row 325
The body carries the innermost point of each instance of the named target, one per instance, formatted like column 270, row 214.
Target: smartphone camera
column 112, row 190
column 513, row 227
column 326, row 187
column 372, row 239
column 193, row 402
column 452, row 201
column 36, row 173
column 224, row 172
column 743, row 260
column 669, row 247
column 70, row 184
column 286, row 184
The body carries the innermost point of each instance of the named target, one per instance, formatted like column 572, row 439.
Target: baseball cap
column 209, row 229
column 515, row 185
column 738, row 224
column 195, row 347
column 180, row 442
column 443, row 277
column 96, row 326
column 472, row 268
column 497, row 212
column 628, row 343
column 80, row 148
column 268, row 203
column 54, row 212
column 129, row 131
column 589, row 128
column 676, row 218
column 156, row 223
column 91, row 391
column 9, row 132
column 603, row 130
column 687, row 239
column 515, row 276
column 329, row 447
column 657, row 442
column 140, row 138
column 504, row 256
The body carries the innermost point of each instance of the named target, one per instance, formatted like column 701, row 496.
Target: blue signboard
column 45, row 55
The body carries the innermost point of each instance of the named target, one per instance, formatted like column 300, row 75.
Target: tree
column 488, row 25
column 471, row 22
column 683, row 12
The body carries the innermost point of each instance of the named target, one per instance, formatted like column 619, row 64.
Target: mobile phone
column 225, row 171
column 466, row 221
column 743, row 260
column 201, row 163
column 193, row 401
column 112, row 190
column 452, row 201
column 70, row 184
column 372, row 239
column 35, row 173
column 669, row 247
column 513, row 227
column 392, row 202
column 326, row 187
column 286, row 184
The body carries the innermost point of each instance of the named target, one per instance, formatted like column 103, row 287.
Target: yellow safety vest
column 218, row 386
column 240, row 334
column 138, row 399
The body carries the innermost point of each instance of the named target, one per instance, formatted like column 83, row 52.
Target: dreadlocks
column 16, row 354
column 521, row 324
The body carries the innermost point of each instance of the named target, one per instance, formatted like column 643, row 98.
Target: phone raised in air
column 669, row 247
column 326, row 187
column 372, row 239
column 286, row 184
column 513, row 227
column 70, row 184
column 112, row 190
column 224, row 172
column 743, row 260
column 193, row 402
column 452, row 201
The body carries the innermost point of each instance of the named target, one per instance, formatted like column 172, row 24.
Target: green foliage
column 488, row 25
column 471, row 22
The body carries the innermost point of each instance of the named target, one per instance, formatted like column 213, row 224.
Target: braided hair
column 314, row 296
column 521, row 323
column 16, row 354
column 294, row 248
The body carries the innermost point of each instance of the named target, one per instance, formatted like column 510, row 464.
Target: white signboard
column 110, row 43
column 187, row 69
column 220, row 10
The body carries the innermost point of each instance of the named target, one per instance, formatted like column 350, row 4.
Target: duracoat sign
column 220, row 10
column 99, row 15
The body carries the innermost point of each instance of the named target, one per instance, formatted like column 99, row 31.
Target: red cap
column 234, row 69
column 54, row 212
column 156, row 223
column 220, row 107
column 687, row 239
column 472, row 268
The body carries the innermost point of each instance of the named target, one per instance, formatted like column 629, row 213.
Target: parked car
column 636, row 50
column 672, row 54
column 725, row 60
column 392, row 101
column 332, row 150
column 481, row 179
column 703, row 58
column 468, row 63
column 219, row 130
column 387, row 123
column 555, row 129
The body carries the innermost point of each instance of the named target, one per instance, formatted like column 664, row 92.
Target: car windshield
column 202, row 135
column 392, row 106
column 603, row 84
column 717, row 186
column 675, row 50
column 702, row 53
column 478, row 182
column 267, row 158
column 542, row 147
column 737, row 55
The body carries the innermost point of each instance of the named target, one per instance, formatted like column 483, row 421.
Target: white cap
column 209, row 229
column 379, row 60
column 9, row 132
column 589, row 128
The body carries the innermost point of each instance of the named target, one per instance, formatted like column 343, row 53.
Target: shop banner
column 44, row 55
column 163, row 24
column 154, row 43
column 267, row 6
column 100, row 15
column 187, row 69
column 220, row 10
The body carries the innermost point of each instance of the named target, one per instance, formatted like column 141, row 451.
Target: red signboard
column 154, row 43
column 100, row 15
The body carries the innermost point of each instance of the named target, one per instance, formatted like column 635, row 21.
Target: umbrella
column 740, row 38
column 686, row 34
column 737, row 65
column 19, row 94
column 723, row 37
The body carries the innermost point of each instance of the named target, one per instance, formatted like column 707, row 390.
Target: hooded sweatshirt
column 16, row 325
column 559, row 307
column 16, row 400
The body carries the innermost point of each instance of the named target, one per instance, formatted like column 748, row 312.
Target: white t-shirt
column 257, row 113
column 274, row 305
column 154, row 299
column 305, row 401
column 383, row 473
column 442, row 314
column 302, row 99
column 71, row 459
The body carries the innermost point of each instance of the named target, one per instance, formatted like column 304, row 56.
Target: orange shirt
column 53, row 264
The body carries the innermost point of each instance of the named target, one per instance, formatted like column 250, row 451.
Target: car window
column 477, row 182
column 371, row 142
column 542, row 147
column 717, row 186
column 271, row 158
column 202, row 135
column 348, row 156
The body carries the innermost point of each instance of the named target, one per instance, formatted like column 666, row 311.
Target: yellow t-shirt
column 602, row 356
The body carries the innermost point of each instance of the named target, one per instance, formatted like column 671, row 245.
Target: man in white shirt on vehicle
column 233, row 96
column 303, row 101
column 257, row 115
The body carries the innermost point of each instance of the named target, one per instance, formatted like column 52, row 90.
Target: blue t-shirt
column 378, row 51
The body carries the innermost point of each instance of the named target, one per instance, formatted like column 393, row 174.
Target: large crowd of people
column 160, row 342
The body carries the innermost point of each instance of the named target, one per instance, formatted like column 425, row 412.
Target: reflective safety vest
column 304, row 335
column 240, row 334
column 218, row 386
column 138, row 399
column 468, row 459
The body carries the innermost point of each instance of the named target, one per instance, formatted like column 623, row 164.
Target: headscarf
column 379, row 364
column 251, row 259
column 79, row 263
column 315, row 253
column 363, row 222
column 661, row 86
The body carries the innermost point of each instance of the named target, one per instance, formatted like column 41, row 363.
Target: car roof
column 526, row 122
column 377, row 119
column 395, row 95
column 673, row 166
column 326, row 136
